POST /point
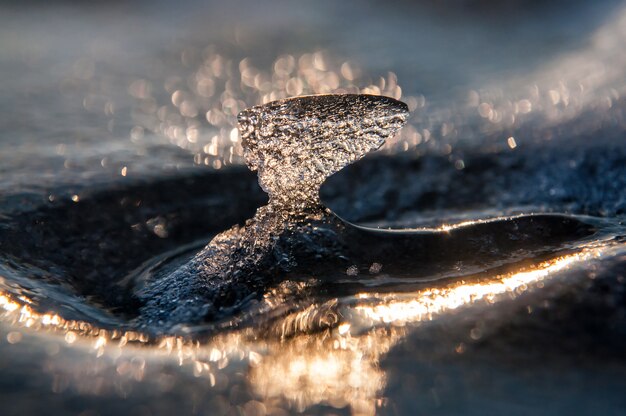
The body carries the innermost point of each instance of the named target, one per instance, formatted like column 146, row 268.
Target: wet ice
column 294, row 144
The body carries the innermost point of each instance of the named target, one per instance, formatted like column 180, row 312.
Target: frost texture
column 294, row 144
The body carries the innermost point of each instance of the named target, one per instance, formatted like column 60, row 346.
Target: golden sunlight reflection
column 429, row 303
column 335, row 365
column 334, row 369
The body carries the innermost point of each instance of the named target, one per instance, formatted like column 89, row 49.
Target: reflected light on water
column 333, row 369
column 336, row 366
column 339, row 367
column 429, row 303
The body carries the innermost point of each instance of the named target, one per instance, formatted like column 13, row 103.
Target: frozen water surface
column 120, row 159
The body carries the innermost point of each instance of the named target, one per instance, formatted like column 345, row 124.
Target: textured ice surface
column 294, row 144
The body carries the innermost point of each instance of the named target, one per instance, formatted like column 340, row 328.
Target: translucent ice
column 294, row 144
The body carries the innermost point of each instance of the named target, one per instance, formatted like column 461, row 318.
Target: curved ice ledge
column 295, row 144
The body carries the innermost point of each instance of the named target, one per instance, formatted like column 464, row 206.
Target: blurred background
column 141, row 88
